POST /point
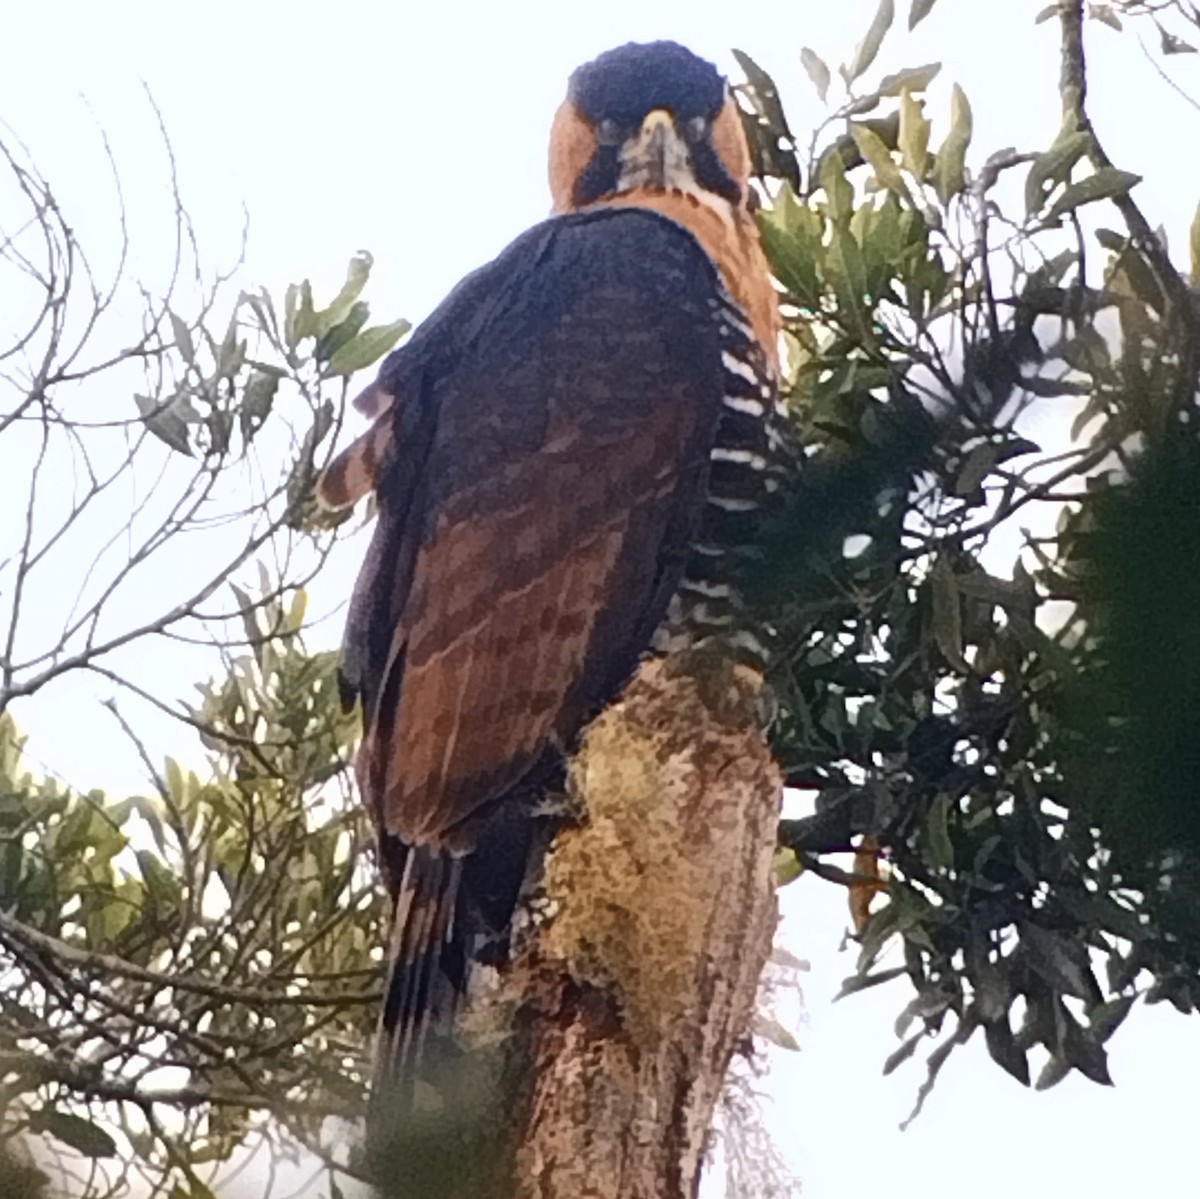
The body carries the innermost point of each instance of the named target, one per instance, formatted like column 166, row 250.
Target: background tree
column 1007, row 748
column 178, row 963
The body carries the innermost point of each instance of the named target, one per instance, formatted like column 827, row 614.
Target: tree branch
column 105, row 965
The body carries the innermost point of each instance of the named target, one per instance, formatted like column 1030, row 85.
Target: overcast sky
column 418, row 131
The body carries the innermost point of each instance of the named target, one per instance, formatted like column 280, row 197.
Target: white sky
column 418, row 131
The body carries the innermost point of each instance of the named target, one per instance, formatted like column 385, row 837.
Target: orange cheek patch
column 572, row 144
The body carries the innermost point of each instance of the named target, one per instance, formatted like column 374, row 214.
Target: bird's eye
column 695, row 129
column 608, row 132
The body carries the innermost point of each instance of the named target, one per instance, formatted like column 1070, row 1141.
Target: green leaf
column 369, row 346
column 949, row 170
column 947, row 614
column 1105, row 912
column 1088, row 351
column 341, row 333
column 993, row 989
column 183, row 338
column 786, row 866
column 918, row 11
column 81, row 1135
column 176, row 786
column 1194, row 245
column 905, row 1051
column 295, row 614
column 299, row 320
column 1105, row 184
column 818, row 72
column 1174, row 45
column 231, row 353
column 862, row 982
column 1004, row 1050
column 1010, row 594
column 792, row 265
column 161, row 885
column 1104, row 1020
column 357, row 274
column 771, row 140
column 1038, row 385
column 1053, row 1072
column 926, row 1004
column 914, row 135
column 937, row 830
column 771, row 1030
column 257, row 398
column 911, row 79
column 868, row 48
column 1054, row 167
column 248, row 607
column 839, row 195
column 169, row 421
column 976, row 467
column 792, row 234
column 264, row 312
column 148, row 811
column 1061, row 961
column 871, row 147
column 848, row 274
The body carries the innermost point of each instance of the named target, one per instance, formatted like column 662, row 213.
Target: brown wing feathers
column 508, row 599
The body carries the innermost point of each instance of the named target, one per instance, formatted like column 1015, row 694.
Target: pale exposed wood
column 637, row 991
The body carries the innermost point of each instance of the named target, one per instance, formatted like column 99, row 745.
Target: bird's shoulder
column 560, row 264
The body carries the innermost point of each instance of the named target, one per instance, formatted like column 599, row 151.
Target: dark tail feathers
column 427, row 963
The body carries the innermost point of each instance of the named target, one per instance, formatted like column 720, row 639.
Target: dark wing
column 551, row 449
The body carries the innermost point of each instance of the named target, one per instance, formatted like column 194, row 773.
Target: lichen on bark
column 638, row 989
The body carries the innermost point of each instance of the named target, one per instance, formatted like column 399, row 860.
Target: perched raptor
column 566, row 456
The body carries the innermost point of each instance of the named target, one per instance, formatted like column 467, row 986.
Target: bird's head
column 648, row 117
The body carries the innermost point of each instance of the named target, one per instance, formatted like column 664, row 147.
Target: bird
column 567, row 458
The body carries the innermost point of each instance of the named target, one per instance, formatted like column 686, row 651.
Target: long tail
column 426, row 964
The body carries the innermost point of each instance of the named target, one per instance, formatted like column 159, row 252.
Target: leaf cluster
column 981, row 583
column 226, row 926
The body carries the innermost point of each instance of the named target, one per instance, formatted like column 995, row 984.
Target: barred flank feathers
column 420, row 995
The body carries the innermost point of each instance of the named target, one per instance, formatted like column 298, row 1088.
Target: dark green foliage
column 1021, row 740
column 228, row 921
column 1137, row 696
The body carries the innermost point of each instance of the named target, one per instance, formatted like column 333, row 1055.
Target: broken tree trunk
column 639, row 987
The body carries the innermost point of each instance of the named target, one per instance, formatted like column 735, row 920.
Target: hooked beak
column 656, row 156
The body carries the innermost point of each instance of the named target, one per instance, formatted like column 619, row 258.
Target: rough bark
column 639, row 984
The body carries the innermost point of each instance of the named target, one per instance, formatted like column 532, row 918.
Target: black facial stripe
column 599, row 177
column 711, row 173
